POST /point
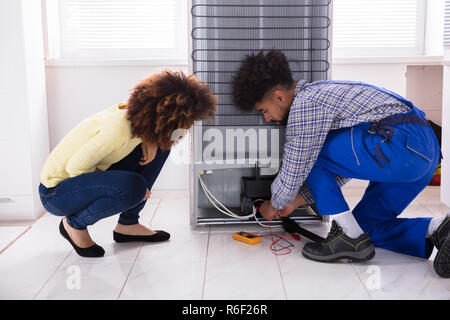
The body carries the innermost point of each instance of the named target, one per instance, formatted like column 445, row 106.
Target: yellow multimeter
column 246, row 237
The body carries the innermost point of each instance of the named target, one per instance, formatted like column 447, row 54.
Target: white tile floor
column 205, row 262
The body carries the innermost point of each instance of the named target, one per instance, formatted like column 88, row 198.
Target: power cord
column 226, row 211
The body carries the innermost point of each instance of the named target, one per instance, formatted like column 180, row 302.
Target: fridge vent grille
column 225, row 31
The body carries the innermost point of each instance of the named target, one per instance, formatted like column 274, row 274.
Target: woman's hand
column 148, row 153
column 147, row 194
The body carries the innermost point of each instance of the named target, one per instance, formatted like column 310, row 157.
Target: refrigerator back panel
column 230, row 146
column 225, row 31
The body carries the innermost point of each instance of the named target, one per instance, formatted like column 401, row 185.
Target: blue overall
column 399, row 155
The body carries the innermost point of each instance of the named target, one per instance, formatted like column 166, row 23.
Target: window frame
column 388, row 52
column 54, row 51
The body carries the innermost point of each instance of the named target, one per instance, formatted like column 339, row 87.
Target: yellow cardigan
column 97, row 142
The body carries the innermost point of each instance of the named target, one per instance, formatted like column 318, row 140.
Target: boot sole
column 441, row 263
column 363, row 255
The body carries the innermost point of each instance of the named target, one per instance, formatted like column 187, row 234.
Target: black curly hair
column 164, row 102
column 257, row 75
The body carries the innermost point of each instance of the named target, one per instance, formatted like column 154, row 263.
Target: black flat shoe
column 94, row 251
column 157, row 237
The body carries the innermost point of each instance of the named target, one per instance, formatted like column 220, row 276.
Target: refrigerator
column 236, row 147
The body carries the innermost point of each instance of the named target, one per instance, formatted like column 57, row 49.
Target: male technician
column 337, row 130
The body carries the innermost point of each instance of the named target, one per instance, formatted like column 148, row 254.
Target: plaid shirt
column 318, row 108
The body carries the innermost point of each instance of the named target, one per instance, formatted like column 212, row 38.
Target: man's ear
column 279, row 96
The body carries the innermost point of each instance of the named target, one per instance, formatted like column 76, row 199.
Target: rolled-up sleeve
column 307, row 128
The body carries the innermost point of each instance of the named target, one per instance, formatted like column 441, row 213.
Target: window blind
column 447, row 23
column 378, row 27
column 108, row 29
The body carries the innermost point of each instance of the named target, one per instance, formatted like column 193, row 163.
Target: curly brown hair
column 257, row 75
column 165, row 102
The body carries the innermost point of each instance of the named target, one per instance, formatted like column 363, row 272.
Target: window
column 364, row 28
column 447, row 23
column 117, row 29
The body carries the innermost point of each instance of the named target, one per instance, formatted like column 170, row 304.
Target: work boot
column 441, row 240
column 338, row 245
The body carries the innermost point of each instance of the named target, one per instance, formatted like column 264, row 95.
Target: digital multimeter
column 246, row 237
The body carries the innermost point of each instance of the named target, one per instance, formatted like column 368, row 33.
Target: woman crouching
column 108, row 163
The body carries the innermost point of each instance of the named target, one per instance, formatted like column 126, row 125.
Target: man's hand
column 148, row 153
column 297, row 202
column 267, row 211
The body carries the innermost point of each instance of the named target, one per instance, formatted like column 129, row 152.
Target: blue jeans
column 90, row 197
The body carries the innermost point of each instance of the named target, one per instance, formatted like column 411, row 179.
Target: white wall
column 445, row 173
column 388, row 75
column 424, row 88
column 434, row 31
column 23, row 124
column 76, row 92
